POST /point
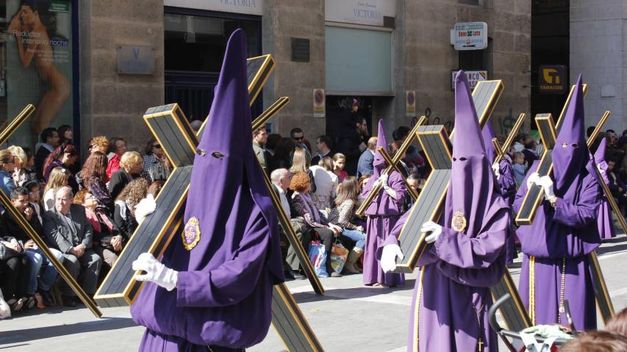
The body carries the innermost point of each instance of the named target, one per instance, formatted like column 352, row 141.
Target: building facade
column 394, row 59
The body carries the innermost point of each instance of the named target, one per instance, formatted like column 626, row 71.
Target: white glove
column 383, row 179
column 155, row 271
column 534, row 178
column 388, row 257
column 547, row 187
column 496, row 169
column 435, row 229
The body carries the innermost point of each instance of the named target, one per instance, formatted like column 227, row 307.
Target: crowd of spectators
column 84, row 212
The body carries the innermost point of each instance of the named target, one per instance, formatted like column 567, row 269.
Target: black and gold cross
column 170, row 127
column 25, row 225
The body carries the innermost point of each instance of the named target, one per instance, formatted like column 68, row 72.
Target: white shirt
column 284, row 203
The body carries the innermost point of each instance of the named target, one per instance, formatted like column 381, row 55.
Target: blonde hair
column 58, row 178
column 130, row 159
column 100, row 141
column 5, row 156
column 19, row 153
column 300, row 161
column 326, row 163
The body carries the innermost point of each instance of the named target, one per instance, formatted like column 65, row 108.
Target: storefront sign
column 319, row 103
column 473, row 77
column 552, row 79
column 470, row 36
column 136, row 60
column 410, row 103
column 249, row 7
column 366, row 12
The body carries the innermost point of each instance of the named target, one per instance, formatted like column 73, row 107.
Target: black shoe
column 288, row 275
column 69, row 301
column 48, row 299
column 298, row 276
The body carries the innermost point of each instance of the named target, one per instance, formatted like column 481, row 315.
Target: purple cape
column 604, row 222
column 452, row 296
column 561, row 237
column 382, row 216
column 224, row 289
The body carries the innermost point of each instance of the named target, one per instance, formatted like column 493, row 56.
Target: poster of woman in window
column 38, row 64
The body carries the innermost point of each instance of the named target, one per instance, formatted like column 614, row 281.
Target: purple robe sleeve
column 584, row 211
column 507, row 181
column 475, row 252
column 398, row 185
column 235, row 279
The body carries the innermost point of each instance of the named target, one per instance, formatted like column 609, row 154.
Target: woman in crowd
column 342, row 214
column 117, row 147
column 131, row 166
column 34, row 197
column 156, row 164
column 339, row 161
column 301, row 163
column 304, row 206
column 125, row 206
column 7, row 166
column 64, row 156
column 21, row 174
column 326, row 183
column 95, row 179
column 148, row 205
column 59, row 177
column 107, row 242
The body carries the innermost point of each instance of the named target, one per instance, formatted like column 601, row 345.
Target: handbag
column 318, row 258
column 339, row 254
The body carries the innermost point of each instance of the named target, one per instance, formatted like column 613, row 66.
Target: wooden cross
column 25, row 225
column 170, row 127
column 513, row 311
column 548, row 132
column 435, row 143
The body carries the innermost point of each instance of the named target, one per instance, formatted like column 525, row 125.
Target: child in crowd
column 339, row 161
column 520, row 168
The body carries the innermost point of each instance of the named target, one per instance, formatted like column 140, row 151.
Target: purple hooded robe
column 224, row 291
column 452, row 293
column 604, row 222
column 556, row 244
column 382, row 214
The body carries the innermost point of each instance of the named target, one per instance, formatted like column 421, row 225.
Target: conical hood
column 488, row 134
column 471, row 196
column 599, row 155
column 570, row 154
column 379, row 162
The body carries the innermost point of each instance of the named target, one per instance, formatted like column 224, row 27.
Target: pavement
column 348, row 317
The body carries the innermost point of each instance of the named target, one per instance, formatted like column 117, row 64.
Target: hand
column 28, row 213
column 360, row 228
column 155, row 271
column 15, row 245
column 547, row 187
column 496, row 170
column 336, row 229
column 383, row 180
column 78, row 251
column 30, row 244
column 116, row 243
column 388, row 257
column 434, row 230
column 534, row 178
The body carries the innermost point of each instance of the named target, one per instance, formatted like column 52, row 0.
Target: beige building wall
column 113, row 104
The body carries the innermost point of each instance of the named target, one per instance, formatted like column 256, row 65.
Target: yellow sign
column 552, row 79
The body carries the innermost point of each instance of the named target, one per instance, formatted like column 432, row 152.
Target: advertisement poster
column 36, row 66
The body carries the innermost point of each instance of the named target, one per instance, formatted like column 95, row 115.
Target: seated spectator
column 519, row 167
column 326, row 183
column 116, row 150
column 94, row 178
column 37, row 260
column 616, row 185
column 7, row 166
column 156, row 164
column 22, row 173
column 131, row 167
column 64, row 156
column 99, row 144
column 59, row 177
column 364, row 165
column 303, row 206
column 68, row 230
column 596, row 341
column 13, row 273
column 107, row 242
column 618, row 323
column 339, row 161
column 301, row 163
column 125, row 204
column 148, row 205
column 66, row 135
column 342, row 214
column 34, row 196
column 49, row 141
